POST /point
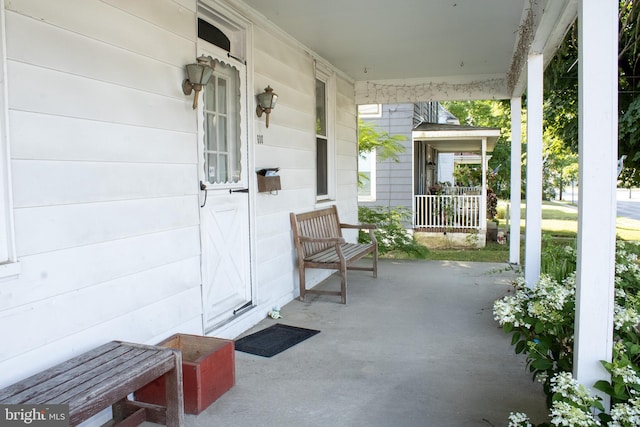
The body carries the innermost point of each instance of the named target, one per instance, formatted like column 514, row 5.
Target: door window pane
column 222, row 125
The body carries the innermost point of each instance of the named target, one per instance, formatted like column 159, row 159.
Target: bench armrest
column 360, row 226
column 334, row 240
column 369, row 227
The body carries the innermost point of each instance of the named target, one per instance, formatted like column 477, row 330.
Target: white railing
column 460, row 191
column 447, row 212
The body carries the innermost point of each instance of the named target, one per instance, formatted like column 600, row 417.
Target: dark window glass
column 213, row 35
column 321, row 167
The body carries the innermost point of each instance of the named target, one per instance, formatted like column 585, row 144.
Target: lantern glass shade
column 267, row 99
column 199, row 74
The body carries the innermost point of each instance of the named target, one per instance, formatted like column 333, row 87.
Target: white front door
column 224, row 212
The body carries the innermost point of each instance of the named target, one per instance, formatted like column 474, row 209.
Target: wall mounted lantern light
column 266, row 102
column 198, row 75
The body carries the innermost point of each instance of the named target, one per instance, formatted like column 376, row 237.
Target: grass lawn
column 558, row 220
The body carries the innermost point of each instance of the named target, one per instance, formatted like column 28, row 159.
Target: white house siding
column 394, row 183
column 104, row 170
column 290, row 143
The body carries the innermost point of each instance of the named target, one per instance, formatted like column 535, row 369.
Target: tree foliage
column 487, row 113
column 371, row 139
column 561, row 90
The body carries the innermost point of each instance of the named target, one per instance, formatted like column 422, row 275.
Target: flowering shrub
column 391, row 233
column 541, row 321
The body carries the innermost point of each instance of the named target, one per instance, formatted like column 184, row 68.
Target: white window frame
column 371, row 160
column 9, row 265
column 370, row 111
column 325, row 75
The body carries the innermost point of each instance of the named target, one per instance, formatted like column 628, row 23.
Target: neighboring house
column 422, row 179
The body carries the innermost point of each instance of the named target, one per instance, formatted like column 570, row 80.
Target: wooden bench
column 104, row 377
column 317, row 236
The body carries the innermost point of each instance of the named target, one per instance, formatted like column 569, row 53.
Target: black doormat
column 273, row 340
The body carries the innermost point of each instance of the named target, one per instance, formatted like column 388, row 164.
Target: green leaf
column 521, row 346
column 542, row 364
column 618, row 389
column 508, row 327
column 539, row 327
column 604, row 387
column 515, row 338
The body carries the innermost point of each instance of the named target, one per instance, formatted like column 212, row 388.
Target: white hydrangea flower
column 506, row 310
column 549, row 298
column 621, row 268
column 627, row 373
column 625, row 413
column 518, row 419
column 564, row 414
column 564, row 384
column 625, row 318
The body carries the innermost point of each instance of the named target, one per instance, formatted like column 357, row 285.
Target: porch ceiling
column 420, row 50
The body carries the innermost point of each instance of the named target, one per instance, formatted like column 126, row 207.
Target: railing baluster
column 447, row 211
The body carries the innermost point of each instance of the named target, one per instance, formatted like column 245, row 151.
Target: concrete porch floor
column 417, row 346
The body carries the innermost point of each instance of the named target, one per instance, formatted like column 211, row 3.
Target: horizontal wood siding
column 104, row 168
column 290, row 144
column 105, row 179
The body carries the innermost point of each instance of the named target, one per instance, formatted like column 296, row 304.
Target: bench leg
column 175, row 398
column 343, row 283
column 303, row 288
column 375, row 262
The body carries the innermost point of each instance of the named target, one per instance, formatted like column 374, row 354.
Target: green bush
column 558, row 258
column 391, row 233
column 541, row 322
column 501, row 211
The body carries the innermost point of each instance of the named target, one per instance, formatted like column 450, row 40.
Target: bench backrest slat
column 316, row 224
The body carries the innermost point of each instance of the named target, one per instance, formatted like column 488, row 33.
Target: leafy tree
column 487, row 113
column 560, row 166
column 561, row 90
column 387, row 147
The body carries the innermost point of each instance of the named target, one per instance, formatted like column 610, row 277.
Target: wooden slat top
column 349, row 250
column 92, row 374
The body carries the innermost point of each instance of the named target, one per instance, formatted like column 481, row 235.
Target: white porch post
column 598, row 142
column 516, row 178
column 483, row 192
column 533, row 232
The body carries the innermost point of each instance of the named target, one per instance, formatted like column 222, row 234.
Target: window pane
column 211, row 168
column 222, row 134
column 321, row 167
column 365, row 188
column 222, row 168
column 222, row 125
column 222, row 96
column 210, row 95
column 210, row 130
column 321, row 110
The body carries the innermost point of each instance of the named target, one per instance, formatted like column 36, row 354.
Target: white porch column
column 533, row 231
column 483, row 192
column 516, row 179
column 598, row 142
